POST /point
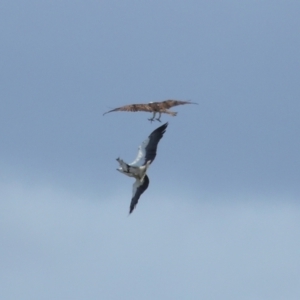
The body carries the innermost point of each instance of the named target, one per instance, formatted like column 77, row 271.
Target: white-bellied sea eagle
column 138, row 168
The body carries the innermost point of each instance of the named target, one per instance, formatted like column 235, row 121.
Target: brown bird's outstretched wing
column 132, row 108
column 170, row 103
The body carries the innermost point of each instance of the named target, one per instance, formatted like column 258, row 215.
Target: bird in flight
column 138, row 168
column 154, row 107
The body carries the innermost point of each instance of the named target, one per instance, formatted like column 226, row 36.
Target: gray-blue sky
column 221, row 214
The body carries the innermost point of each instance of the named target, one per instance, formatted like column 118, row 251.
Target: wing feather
column 139, row 160
column 147, row 150
column 170, row 103
column 138, row 189
column 132, row 108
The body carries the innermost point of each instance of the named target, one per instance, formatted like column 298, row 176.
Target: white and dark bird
column 138, row 168
column 154, row 107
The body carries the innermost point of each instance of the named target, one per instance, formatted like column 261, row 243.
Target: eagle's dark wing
column 147, row 150
column 170, row 103
column 138, row 189
column 132, row 108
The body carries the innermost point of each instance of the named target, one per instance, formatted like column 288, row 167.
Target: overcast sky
column 221, row 216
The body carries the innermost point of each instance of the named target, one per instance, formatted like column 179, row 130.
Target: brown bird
column 154, row 107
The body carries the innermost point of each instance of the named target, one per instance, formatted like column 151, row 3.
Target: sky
column 221, row 216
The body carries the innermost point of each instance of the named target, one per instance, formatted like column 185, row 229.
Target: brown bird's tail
column 173, row 113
